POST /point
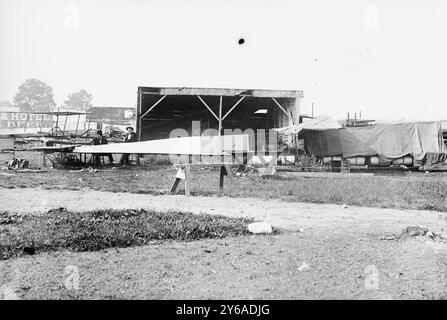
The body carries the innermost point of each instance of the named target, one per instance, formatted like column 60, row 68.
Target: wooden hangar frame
column 169, row 105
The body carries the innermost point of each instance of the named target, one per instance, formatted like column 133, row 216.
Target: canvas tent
column 388, row 141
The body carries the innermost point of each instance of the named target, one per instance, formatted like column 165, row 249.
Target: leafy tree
column 80, row 100
column 34, row 96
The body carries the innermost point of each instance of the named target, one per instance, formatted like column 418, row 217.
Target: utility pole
column 312, row 110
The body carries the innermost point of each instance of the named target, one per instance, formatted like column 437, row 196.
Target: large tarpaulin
column 388, row 141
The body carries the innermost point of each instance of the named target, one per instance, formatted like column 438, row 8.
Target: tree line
column 36, row 96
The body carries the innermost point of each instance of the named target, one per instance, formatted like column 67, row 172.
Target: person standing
column 98, row 140
column 129, row 136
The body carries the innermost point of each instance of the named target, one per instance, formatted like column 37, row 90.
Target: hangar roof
column 181, row 91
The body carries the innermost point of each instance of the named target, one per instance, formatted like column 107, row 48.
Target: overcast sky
column 386, row 58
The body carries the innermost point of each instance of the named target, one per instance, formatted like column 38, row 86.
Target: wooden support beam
column 229, row 172
column 204, row 103
column 283, row 110
column 140, row 99
column 175, row 185
column 138, row 123
column 153, row 106
column 220, row 116
column 234, row 106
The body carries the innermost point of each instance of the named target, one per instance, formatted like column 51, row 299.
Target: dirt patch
column 254, row 267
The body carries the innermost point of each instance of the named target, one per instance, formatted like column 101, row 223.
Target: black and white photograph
column 242, row 152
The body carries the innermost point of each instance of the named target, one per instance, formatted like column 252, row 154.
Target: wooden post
column 187, row 180
column 76, row 132
column 44, row 160
column 138, row 122
column 57, row 121
column 223, row 172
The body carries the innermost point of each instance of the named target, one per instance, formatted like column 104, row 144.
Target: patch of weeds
column 277, row 177
column 7, row 218
column 101, row 229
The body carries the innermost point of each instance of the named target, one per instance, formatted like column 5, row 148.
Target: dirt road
column 282, row 214
column 337, row 255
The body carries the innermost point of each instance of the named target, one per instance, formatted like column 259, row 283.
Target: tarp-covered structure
column 319, row 123
column 388, row 141
column 289, row 134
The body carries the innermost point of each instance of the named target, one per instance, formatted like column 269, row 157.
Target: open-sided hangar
column 160, row 110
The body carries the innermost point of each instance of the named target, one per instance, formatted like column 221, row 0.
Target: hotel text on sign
column 23, row 119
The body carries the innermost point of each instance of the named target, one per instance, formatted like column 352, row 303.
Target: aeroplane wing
column 197, row 145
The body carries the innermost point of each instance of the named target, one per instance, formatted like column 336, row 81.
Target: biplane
column 44, row 133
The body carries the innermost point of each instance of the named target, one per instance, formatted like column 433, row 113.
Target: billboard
column 16, row 122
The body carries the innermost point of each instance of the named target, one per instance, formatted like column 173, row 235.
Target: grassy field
column 322, row 252
column 101, row 229
column 409, row 192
